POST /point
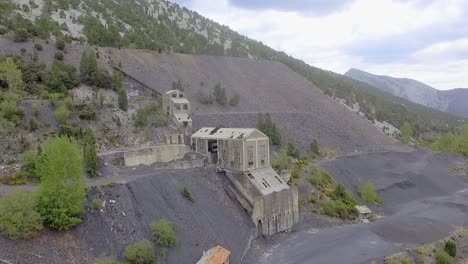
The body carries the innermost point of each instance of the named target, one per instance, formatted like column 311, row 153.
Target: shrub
column 20, row 35
column 281, row 162
column 420, row 251
column 36, row 107
column 18, row 215
column 320, row 178
column 68, row 102
column 89, row 152
column 60, row 44
column 28, row 165
column 219, row 94
column 62, row 192
column 205, row 97
column 164, row 253
column 58, row 56
column 338, row 208
column 54, row 97
column 443, row 257
column 97, row 203
column 163, row 233
column 88, row 112
column 293, row 151
column 61, row 114
column 314, row 149
column 150, row 115
column 38, row 46
column 406, row 132
column 187, row 194
column 111, row 184
column 451, row 248
column 368, row 193
column 140, row 253
column 122, row 99
column 234, row 100
column 33, row 124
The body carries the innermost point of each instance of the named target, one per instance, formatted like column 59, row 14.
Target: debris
column 112, row 201
column 4, row 261
column 123, row 213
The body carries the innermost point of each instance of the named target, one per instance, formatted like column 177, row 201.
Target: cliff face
column 451, row 101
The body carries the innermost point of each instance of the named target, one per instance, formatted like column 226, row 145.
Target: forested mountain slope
column 451, row 101
column 165, row 27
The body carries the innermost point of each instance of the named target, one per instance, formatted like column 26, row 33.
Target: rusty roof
column 216, row 255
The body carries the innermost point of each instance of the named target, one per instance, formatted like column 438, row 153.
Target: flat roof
column 173, row 90
column 182, row 117
column 179, row 100
column 224, row 133
column 215, row 255
column 266, row 180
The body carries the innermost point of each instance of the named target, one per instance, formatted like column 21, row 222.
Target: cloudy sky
column 425, row 40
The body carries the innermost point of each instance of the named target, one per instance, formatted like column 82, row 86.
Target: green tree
column 117, row 81
column 406, row 132
column 368, row 193
column 219, row 94
column 447, row 143
column 293, row 151
column 177, row 85
column 62, row 192
column 21, row 35
column 90, row 155
column 60, row 44
column 163, row 233
column 11, row 74
column 18, row 215
column 88, row 67
column 123, row 100
column 61, row 114
column 267, row 126
column 140, row 252
column 281, row 162
column 451, row 248
column 234, row 99
column 314, row 148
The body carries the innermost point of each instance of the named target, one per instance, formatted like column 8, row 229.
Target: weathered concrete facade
column 177, row 108
column 244, row 154
column 238, row 149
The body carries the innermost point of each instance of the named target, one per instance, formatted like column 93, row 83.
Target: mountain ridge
column 451, row 101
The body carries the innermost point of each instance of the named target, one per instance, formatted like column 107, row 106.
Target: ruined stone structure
column 177, row 108
column 244, row 155
column 162, row 153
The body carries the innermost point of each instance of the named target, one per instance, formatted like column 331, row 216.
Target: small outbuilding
column 215, row 255
column 364, row 212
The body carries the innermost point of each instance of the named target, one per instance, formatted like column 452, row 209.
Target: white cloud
column 324, row 41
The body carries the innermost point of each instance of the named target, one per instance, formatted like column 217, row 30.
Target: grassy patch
column 368, row 193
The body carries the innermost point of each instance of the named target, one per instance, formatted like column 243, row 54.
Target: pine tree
column 88, row 67
column 62, row 192
column 122, row 98
column 90, row 156
column 314, row 148
column 117, row 81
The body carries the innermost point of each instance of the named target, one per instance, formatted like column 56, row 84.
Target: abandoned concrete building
column 177, row 108
column 244, row 154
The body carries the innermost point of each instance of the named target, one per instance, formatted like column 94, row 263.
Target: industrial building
column 177, row 108
column 244, row 154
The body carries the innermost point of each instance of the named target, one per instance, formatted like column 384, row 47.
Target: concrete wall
column 276, row 212
column 165, row 153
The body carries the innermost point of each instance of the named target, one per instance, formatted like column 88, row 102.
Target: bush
column 60, row 44
column 28, row 165
column 443, row 257
column 187, row 194
column 68, row 102
column 97, row 203
column 14, row 179
column 122, row 99
column 62, row 191
column 33, row 124
column 406, row 132
column 54, row 97
column 89, row 152
column 38, row 46
column 205, row 97
column 234, row 100
column 140, row 253
column 58, row 56
column 314, row 149
column 18, row 215
column 36, row 107
column 20, row 35
column 338, row 208
column 61, row 114
column 293, row 151
column 89, row 112
column 368, row 193
column 163, row 233
column 219, row 94
column 320, row 178
column 281, row 162
column 150, row 115
column 451, row 248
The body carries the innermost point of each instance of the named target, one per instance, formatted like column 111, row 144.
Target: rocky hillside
column 166, row 27
column 451, row 101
